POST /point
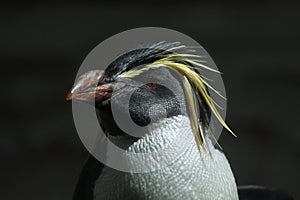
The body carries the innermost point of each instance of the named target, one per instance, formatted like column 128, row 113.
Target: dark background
column 255, row 44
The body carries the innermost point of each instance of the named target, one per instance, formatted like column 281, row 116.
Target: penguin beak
column 86, row 88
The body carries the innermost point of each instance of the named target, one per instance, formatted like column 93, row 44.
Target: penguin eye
column 152, row 85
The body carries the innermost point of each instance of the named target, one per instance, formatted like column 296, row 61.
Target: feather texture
column 192, row 174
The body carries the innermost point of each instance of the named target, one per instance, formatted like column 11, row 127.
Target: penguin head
column 134, row 86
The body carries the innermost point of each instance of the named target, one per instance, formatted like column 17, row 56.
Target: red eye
column 152, row 85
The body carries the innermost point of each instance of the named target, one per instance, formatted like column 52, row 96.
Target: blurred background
column 255, row 45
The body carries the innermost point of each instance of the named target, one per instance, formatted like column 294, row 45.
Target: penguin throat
column 164, row 134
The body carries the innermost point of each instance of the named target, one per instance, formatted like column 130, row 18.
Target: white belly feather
column 193, row 175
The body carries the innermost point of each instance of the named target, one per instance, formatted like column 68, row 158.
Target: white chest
column 193, row 175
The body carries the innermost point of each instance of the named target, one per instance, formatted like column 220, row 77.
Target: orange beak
column 86, row 88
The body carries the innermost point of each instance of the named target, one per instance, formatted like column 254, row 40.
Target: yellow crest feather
column 192, row 81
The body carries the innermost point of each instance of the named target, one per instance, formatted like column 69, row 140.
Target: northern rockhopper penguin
column 200, row 171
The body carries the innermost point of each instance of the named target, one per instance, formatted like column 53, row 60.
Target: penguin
column 169, row 117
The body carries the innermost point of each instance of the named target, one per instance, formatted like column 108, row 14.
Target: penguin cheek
column 149, row 106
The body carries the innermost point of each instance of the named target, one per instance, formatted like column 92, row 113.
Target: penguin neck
column 171, row 133
column 165, row 142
